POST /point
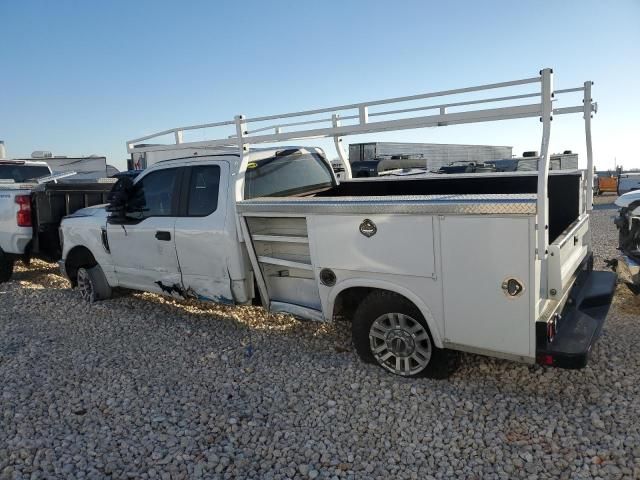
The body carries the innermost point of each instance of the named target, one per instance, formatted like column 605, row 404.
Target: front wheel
column 6, row 267
column 390, row 331
column 92, row 284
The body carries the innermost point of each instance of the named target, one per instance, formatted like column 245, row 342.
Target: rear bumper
column 16, row 242
column 579, row 324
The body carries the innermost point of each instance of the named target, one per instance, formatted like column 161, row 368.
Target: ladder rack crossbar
column 362, row 123
column 403, row 110
column 409, row 98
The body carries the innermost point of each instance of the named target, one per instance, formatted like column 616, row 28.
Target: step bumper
column 579, row 325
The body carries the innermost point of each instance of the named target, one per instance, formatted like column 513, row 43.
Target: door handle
column 164, row 236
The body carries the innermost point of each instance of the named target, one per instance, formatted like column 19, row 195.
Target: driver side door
column 143, row 248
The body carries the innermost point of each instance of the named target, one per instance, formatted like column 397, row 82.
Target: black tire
column 410, row 337
column 92, row 284
column 6, row 267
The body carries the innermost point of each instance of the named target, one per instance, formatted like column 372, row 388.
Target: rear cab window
column 19, row 172
column 289, row 173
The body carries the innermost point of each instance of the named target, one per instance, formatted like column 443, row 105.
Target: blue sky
column 82, row 77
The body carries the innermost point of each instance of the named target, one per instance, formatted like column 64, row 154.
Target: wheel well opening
column 76, row 258
column 349, row 299
column 347, row 302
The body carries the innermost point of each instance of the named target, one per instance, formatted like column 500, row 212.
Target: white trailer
column 498, row 264
column 84, row 168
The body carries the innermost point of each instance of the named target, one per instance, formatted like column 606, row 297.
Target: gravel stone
column 143, row 386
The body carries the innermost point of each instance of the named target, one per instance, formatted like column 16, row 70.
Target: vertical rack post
column 543, row 163
column 241, row 222
column 243, row 148
column 342, row 155
column 587, row 129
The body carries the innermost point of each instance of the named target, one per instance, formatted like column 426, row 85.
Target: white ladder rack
column 356, row 118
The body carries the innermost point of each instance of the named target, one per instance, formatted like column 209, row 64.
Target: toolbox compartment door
column 480, row 253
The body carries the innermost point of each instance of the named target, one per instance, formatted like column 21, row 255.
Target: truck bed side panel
column 478, row 256
column 402, row 244
column 399, row 257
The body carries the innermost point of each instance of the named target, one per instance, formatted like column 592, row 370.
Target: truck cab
column 176, row 233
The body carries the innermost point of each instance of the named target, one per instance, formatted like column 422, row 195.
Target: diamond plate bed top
column 493, row 204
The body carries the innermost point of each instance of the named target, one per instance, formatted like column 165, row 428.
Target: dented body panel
column 141, row 261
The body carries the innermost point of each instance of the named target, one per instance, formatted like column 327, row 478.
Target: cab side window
column 154, row 195
column 204, row 186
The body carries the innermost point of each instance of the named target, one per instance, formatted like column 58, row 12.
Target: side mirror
column 118, row 199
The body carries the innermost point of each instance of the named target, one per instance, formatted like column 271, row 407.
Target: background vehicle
column 30, row 212
column 628, row 182
column 373, row 158
column 493, row 263
column 85, row 168
column 467, row 167
column 619, row 182
column 628, row 224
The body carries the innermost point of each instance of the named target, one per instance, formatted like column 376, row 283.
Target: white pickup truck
column 31, row 207
column 17, row 178
column 498, row 264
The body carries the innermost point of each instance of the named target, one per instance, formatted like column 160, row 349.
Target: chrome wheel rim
column 400, row 343
column 84, row 285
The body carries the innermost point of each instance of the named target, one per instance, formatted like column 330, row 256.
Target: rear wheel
column 6, row 267
column 390, row 331
column 92, row 284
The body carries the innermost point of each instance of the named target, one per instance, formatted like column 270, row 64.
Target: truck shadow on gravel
column 38, row 275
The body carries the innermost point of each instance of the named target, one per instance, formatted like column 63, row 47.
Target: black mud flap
column 579, row 324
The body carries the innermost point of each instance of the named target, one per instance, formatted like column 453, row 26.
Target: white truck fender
column 384, row 285
column 628, row 198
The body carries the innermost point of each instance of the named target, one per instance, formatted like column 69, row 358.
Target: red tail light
column 23, row 217
column 545, row 359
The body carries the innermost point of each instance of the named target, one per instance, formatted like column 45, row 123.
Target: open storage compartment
column 282, row 248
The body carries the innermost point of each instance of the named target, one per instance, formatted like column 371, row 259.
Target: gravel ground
column 145, row 387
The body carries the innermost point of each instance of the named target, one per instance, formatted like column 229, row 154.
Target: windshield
column 22, row 173
column 284, row 175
